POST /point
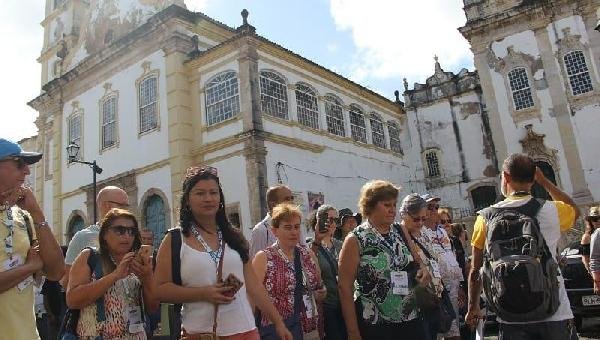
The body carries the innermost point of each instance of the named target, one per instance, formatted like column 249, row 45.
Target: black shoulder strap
column 531, row 209
column 26, row 219
column 298, row 288
column 96, row 267
column 175, row 257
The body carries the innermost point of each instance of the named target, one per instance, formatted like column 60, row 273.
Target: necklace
column 215, row 255
column 8, row 240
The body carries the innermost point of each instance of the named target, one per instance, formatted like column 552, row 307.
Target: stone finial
column 435, row 57
column 438, row 68
column 195, row 47
column 405, row 84
column 397, row 94
column 245, row 16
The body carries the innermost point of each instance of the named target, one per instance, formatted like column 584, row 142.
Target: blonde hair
column 445, row 211
column 284, row 212
column 375, row 191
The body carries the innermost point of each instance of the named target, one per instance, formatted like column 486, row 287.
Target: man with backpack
column 515, row 241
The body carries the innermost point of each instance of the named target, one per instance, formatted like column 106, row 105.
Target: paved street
column 591, row 330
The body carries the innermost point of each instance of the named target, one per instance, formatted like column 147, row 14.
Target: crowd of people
column 399, row 268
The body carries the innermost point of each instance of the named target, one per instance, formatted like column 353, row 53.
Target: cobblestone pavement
column 591, row 330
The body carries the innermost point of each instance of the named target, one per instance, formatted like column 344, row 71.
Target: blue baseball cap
column 12, row 149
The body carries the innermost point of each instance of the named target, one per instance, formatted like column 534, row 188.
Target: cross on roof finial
column 245, row 16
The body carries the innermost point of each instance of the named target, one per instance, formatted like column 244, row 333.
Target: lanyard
column 8, row 240
column 290, row 263
column 215, row 255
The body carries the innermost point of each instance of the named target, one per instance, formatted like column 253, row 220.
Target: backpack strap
column 95, row 265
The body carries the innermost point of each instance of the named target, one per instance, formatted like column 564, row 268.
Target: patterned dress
column 280, row 282
column 379, row 256
column 123, row 293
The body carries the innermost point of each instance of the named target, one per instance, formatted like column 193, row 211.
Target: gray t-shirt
column 595, row 251
column 87, row 237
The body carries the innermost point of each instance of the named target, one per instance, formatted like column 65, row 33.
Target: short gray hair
column 323, row 211
column 412, row 204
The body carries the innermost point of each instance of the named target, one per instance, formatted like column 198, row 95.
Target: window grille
column 394, row 133
column 334, row 116
column 521, row 91
column 377, row 133
column 222, row 98
column 148, row 104
column 433, row 164
column 578, row 73
column 308, row 111
column 357, row 125
column 273, row 95
column 109, row 117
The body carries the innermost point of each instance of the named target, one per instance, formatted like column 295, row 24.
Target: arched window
column 578, row 73
column 483, row 197
column 394, row 133
column 334, row 116
column 109, row 122
column 222, row 97
column 521, row 90
column 308, row 111
column 156, row 218
column 377, row 133
column 357, row 124
column 432, row 163
column 273, row 95
column 75, row 225
column 148, row 104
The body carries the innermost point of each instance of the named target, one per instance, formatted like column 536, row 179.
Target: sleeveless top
column 122, row 294
column 199, row 270
column 379, row 256
column 280, row 282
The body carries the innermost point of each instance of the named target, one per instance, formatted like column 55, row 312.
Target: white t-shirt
column 199, row 270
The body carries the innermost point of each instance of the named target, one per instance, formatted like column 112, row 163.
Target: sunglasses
column 433, row 206
column 445, row 221
column 122, row 230
column 20, row 162
column 594, row 218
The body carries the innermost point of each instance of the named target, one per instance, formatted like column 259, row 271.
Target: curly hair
column 373, row 192
column 115, row 213
column 232, row 236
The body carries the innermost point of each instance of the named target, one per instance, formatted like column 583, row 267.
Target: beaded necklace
column 215, row 255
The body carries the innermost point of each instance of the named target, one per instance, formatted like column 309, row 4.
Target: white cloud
column 397, row 39
column 196, row 5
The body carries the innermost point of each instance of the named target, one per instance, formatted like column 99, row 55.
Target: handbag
column 436, row 310
column 212, row 335
column 292, row 323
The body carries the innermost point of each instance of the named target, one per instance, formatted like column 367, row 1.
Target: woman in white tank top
column 206, row 237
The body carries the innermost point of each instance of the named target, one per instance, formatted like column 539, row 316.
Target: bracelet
column 43, row 224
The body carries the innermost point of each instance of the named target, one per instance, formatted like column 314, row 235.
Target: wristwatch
column 43, row 224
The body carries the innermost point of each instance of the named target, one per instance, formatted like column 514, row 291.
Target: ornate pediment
column 533, row 145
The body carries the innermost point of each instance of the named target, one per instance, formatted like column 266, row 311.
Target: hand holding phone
column 233, row 282
column 144, row 252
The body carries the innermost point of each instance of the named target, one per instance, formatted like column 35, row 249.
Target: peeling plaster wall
column 588, row 139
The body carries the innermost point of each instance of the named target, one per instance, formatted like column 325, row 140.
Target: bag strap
column 175, row 324
column 95, row 265
column 27, row 220
column 298, row 288
column 410, row 244
column 219, row 279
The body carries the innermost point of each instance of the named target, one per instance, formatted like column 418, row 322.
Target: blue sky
column 376, row 43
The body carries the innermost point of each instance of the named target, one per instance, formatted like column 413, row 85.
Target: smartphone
column 323, row 226
column 234, row 283
column 145, row 251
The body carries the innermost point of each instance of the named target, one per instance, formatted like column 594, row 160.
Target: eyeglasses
column 20, row 162
column 445, row 221
column 122, row 230
column 119, row 204
column 433, row 206
column 332, row 220
column 594, row 218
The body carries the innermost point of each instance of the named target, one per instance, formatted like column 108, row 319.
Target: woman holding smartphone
column 209, row 242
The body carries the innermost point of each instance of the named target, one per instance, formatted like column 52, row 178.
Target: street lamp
column 72, row 152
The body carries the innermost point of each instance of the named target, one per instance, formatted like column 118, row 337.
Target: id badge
column 399, row 282
column 11, row 263
column 309, row 305
column 435, row 267
column 134, row 318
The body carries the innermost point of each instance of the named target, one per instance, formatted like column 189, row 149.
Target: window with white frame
column 148, row 104
column 74, row 130
column 308, row 110
column 432, row 163
column 521, row 91
column 394, row 134
column 334, row 116
column 357, row 124
column 273, row 95
column 578, row 73
column 222, row 97
column 377, row 133
column 109, row 122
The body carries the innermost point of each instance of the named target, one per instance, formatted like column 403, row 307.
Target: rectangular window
column 148, row 105
column 109, row 124
column 74, row 133
column 578, row 73
column 521, row 91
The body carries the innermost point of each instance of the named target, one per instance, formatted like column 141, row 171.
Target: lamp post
column 72, row 152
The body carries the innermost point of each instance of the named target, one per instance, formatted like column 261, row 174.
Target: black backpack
column 519, row 273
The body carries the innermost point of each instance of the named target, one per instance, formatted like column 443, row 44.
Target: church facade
column 149, row 88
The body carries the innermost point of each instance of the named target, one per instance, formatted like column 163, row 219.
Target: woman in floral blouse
column 275, row 267
column 377, row 258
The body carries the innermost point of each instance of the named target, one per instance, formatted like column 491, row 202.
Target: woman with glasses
column 125, row 288
column 209, row 242
column 291, row 276
column 376, row 257
column 327, row 249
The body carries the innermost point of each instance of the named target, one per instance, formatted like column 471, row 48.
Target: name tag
column 134, row 319
column 309, row 305
column 399, row 282
column 435, row 267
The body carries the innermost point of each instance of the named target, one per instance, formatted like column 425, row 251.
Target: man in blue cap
column 29, row 245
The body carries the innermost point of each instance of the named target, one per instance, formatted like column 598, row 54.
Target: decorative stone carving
column 533, row 145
